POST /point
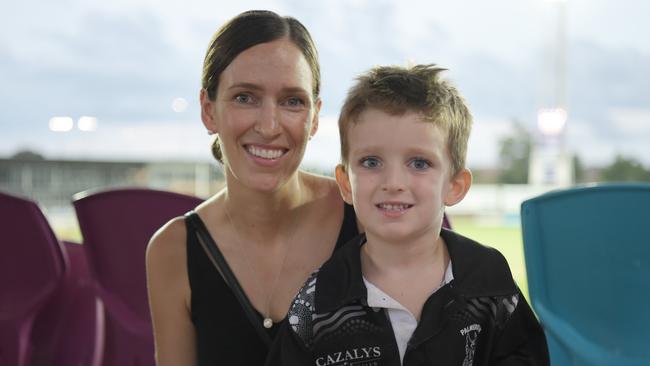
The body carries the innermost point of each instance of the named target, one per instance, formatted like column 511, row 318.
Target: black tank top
column 224, row 335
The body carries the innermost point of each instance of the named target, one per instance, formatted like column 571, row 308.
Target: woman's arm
column 169, row 296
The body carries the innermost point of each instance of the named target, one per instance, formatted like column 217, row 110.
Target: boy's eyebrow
column 377, row 146
column 378, row 149
column 416, row 150
column 365, row 149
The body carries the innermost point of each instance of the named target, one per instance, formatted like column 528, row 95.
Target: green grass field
column 506, row 239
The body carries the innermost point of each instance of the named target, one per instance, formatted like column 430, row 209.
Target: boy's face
column 398, row 175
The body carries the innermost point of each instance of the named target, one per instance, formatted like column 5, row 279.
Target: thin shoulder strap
column 196, row 224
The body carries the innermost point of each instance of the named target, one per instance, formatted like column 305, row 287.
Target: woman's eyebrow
column 294, row 89
column 245, row 86
column 252, row 86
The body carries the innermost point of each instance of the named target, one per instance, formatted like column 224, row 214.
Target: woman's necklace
column 267, row 322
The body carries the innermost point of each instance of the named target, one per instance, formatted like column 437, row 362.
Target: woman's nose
column 267, row 123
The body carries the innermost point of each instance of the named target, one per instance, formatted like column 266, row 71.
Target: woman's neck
column 265, row 213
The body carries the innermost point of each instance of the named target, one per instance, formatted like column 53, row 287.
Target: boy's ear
column 459, row 185
column 207, row 112
column 343, row 181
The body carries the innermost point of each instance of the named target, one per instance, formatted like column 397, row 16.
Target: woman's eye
column 295, row 102
column 370, row 162
column 243, row 98
column 420, row 164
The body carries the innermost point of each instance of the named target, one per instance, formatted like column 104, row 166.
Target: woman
column 273, row 223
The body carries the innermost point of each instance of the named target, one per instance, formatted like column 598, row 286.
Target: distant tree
column 514, row 155
column 625, row 170
column 27, row 155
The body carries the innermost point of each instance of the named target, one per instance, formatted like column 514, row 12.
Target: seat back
column 116, row 226
column 70, row 329
column 31, row 267
column 587, row 254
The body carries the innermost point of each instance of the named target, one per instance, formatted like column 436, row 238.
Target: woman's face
column 264, row 113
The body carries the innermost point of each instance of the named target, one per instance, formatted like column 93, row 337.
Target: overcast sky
column 126, row 61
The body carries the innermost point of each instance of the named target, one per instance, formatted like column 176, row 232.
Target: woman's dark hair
column 244, row 31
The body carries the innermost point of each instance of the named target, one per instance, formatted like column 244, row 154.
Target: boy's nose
column 394, row 180
column 267, row 123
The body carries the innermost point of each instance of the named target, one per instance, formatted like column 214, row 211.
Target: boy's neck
column 409, row 271
column 381, row 257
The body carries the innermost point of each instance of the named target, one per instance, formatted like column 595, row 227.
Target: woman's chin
column 267, row 182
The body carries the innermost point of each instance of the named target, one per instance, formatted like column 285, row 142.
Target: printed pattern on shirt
column 311, row 327
column 302, row 310
column 483, row 310
column 345, row 321
column 497, row 309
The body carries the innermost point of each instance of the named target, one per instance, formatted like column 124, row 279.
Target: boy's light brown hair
column 397, row 90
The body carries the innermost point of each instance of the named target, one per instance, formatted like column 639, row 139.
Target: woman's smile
column 265, row 152
column 264, row 155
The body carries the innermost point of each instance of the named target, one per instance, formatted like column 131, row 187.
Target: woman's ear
column 458, row 187
column 343, row 180
column 316, row 118
column 207, row 112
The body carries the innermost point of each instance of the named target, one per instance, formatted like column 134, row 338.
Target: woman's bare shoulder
column 324, row 187
column 326, row 205
column 169, row 243
column 167, row 246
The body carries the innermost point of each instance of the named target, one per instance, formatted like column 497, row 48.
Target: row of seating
column 587, row 253
column 68, row 304
column 63, row 303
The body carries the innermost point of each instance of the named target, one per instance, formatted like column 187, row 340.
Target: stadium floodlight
column 87, row 123
column 61, row 124
column 551, row 122
column 179, row 105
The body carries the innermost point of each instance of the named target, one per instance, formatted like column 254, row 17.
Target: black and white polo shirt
column 478, row 318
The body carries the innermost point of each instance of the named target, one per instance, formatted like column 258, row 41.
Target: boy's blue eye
column 370, row 162
column 420, row 164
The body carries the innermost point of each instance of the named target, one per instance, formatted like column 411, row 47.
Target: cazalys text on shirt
column 353, row 355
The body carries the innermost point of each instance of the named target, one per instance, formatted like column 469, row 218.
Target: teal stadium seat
column 587, row 256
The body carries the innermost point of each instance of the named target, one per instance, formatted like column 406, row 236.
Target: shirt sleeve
column 521, row 340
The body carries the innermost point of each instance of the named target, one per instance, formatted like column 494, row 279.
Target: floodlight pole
column 560, row 92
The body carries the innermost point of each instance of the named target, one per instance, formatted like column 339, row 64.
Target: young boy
column 408, row 292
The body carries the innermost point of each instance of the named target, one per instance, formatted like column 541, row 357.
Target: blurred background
column 101, row 94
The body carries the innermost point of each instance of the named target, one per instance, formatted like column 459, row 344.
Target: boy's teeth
column 393, row 207
column 265, row 153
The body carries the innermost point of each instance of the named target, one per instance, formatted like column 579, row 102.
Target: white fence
column 497, row 201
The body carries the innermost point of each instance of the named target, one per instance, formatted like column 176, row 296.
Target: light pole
column 550, row 163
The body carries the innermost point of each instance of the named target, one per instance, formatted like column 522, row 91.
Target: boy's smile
column 393, row 209
column 398, row 175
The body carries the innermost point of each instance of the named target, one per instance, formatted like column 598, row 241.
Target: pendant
column 268, row 323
